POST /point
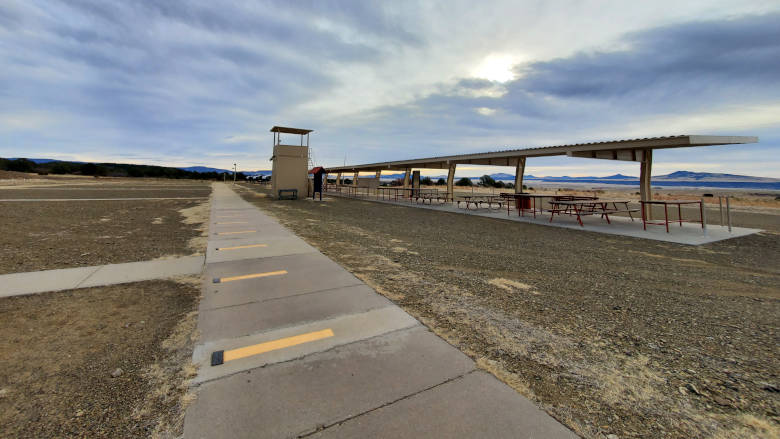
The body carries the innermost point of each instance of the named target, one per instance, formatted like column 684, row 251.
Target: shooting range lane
column 291, row 342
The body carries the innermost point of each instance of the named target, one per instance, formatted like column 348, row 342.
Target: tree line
column 108, row 170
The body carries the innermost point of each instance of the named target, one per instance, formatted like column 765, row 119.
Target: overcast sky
column 201, row 82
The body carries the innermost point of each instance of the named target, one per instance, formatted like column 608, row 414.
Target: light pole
column 234, row 173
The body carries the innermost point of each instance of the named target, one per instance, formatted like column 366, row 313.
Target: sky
column 200, row 83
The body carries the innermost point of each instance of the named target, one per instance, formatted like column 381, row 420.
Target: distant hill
column 202, row 169
column 708, row 176
column 256, row 173
column 40, row 161
column 61, row 167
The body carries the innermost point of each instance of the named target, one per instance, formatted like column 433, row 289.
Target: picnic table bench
column 288, row 194
column 479, row 200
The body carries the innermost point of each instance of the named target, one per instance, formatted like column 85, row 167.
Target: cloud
column 200, row 81
column 714, row 77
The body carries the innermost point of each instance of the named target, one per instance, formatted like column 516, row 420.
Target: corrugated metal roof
column 621, row 144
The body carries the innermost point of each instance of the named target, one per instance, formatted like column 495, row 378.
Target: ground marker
column 236, row 233
column 242, row 246
column 220, row 357
column 219, row 280
column 232, row 222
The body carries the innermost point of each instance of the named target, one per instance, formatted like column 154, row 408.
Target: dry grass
column 59, row 351
column 511, row 285
column 198, row 214
column 169, row 379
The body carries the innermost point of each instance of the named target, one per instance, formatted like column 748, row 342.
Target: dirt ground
column 44, row 235
column 609, row 334
column 60, row 354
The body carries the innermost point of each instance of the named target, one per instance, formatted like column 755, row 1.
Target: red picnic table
column 589, row 206
column 392, row 193
column 666, row 203
column 525, row 201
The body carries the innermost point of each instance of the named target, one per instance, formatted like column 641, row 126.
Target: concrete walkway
column 294, row 345
column 17, row 284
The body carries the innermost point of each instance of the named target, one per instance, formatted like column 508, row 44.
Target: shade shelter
column 633, row 150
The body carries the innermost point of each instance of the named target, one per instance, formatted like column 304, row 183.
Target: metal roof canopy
column 628, row 150
column 301, row 131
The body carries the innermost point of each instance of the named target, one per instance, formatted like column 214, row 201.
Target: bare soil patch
column 97, row 362
column 45, row 235
column 609, row 334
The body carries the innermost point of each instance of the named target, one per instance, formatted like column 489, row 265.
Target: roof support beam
column 451, row 181
column 519, row 171
column 645, row 190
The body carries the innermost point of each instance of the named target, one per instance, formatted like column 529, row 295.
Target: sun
column 496, row 67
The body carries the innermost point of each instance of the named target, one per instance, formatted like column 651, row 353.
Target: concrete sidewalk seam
column 284, row 297
column 268, row 365
column 81, row 282
column 306, row 322
column 411, row 395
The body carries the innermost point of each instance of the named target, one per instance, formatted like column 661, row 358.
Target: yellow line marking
column 232, row 222
column 242, row 246
column 281, row 343
column 236, row 233
column 252, row 276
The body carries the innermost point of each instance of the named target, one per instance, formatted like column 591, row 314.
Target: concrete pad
column 146, row 270
column 292, row 398
column 42, row 281
column 278, row 246
column 346, row 329
column 474, row 406
column 688, row 234
column 275, row 246
column 242, row 219
column 306, row 273
column 242, row 320
column 225, row 233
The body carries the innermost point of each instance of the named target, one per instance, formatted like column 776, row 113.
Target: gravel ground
column 45, row 235
column 60, row 352
column 609, row 334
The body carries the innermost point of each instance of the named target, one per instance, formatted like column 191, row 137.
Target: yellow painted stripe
column 281, row 343
column 252, row 276
column 232, row 222
column 242, row 246
column 236, row 233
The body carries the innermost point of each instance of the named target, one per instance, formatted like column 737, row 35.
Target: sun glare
column 496, row 67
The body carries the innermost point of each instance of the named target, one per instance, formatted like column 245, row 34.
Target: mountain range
column 678, row 176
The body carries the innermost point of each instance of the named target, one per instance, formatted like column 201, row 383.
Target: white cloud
column 203, row 82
